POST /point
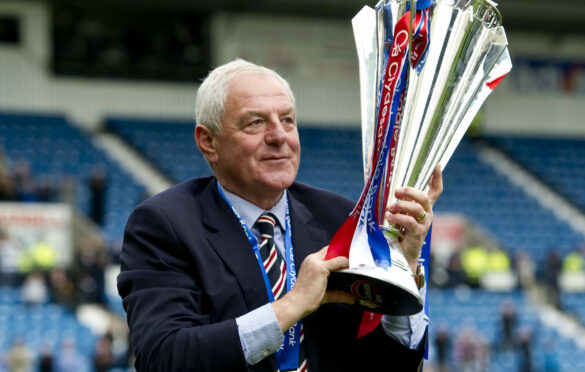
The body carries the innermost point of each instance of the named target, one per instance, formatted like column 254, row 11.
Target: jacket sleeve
column 170, row 327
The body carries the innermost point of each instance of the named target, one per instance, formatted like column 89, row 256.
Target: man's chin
column 280, row 180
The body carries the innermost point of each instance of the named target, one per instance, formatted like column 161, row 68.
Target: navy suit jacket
column 188, row 272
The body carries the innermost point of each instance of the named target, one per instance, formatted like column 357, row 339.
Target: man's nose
column 275, row 132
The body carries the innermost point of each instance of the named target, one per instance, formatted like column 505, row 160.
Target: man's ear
column 205, row 140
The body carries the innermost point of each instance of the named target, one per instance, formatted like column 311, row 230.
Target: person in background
column 98, row 186
column 20, row 357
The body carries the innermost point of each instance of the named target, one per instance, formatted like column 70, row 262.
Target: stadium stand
column 556, row 161
column 43, row 326
column 479, row 312
column 55, row 150
column 574, row 303
column 516, row 221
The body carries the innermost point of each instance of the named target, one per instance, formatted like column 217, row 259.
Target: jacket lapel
column 226, row 236
column 307, row 236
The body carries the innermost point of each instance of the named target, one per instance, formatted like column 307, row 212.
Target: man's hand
column 310, row 291
column 414, row 213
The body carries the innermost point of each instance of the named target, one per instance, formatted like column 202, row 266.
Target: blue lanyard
column 287, row 356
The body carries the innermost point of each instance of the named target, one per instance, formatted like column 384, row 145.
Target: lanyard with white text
column 287, row 356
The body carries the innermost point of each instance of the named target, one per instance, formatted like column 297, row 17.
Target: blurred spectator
column 19, row 357
column 8, row 188
column 26, row 187
column 455, row 270
column 61, row 288
column 474, row 261
column 471, row 352
column 551, row 275
column 509, row 321
column 34, row 289
column 67, row 190
column 572, row 277
column 498, row 275
column 46, row 358
column 98, row 194
column 497, row 260
column 46, row 192
column 68, row 359
column 525, row 349
column 525, row 268
column 575, row 261
column 443, row 344
column 103, row 358
column 91, row 262
column 21, row 173
column 40, row 256
column 9, row 260
column 4, row 163
column 27, row 191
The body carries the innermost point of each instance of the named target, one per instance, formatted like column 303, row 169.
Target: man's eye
column 288, row 120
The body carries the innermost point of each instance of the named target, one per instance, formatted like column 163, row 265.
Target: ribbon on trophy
column 361, row 231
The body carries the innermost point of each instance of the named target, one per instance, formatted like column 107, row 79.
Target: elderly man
column 208, row 266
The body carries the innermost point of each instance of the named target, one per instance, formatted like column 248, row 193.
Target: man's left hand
column 414, row 213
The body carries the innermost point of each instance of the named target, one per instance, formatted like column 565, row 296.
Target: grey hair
column 211, row 95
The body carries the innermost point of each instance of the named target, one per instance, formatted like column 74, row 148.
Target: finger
column 410, row 193
column 406, row 221
column 436, row 184
column 322, row 253
column 407, row 207
column 337, row 295
column 332, row 264
column 337, row 263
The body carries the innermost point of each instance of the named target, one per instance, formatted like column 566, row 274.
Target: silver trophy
column 444, row 86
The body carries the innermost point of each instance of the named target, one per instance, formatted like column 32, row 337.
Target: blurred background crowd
column 96, row 114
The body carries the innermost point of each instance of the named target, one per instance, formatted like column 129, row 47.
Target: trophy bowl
column 387, row 291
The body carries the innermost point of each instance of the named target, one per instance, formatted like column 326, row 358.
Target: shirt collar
column 250, row 212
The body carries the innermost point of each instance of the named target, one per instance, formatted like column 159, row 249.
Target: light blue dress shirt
column 259, row 330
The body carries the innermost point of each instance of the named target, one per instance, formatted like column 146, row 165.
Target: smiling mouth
column 276, row 159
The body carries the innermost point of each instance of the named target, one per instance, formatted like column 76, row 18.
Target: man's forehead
column 247, row 79
column 252, row 90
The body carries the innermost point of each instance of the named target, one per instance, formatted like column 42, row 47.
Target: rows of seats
column 55, row 150
column 514, row 220
column 169, row 145
column 559, row 162
column 480, row 312
column 41, row 327
column 574, row 303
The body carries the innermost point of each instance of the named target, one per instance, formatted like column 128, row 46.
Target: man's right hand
column 310, row 290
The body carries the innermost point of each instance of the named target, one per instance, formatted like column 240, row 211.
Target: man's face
column 258, row 149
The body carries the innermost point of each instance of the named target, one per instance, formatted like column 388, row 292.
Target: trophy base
column 380, row 291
